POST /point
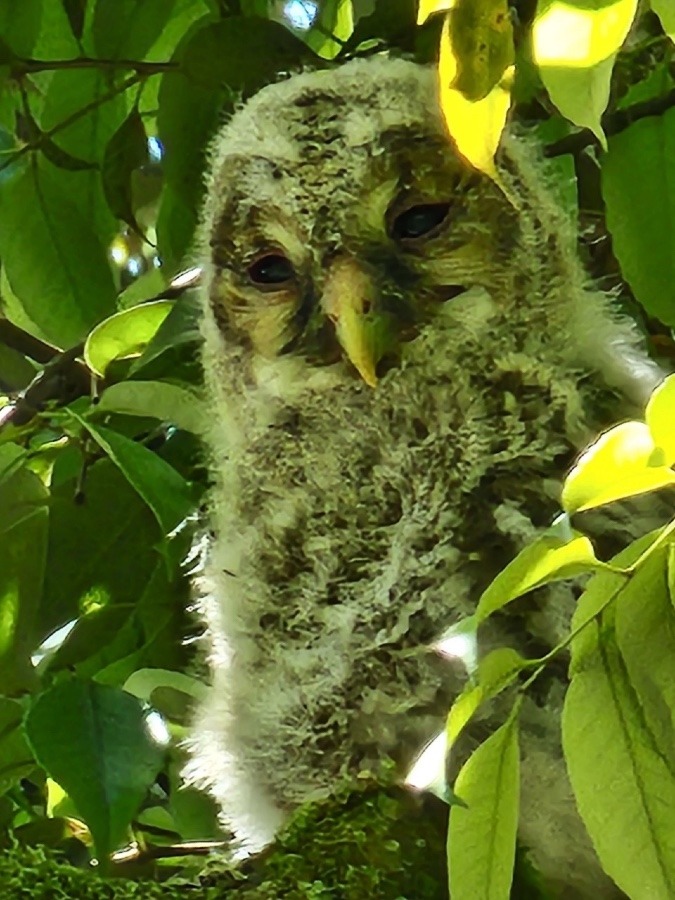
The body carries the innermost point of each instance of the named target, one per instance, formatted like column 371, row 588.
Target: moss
column 34, row 873
column 368, row 841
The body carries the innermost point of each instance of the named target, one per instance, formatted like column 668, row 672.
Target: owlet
column 400, row 364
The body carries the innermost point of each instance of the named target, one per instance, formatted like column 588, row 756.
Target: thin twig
column 21, row 66
column 69, row 120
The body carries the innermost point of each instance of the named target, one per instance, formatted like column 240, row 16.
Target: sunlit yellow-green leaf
column 660, row 417
column 549, row 558
column 571, row 34
column 495, row 672
column 475, row 126
column 665, row 10
column 599, row 598
column 621, row 463
column 429, row 7
column 624, row 787
column 124, row 335
column 482, row 835
column 575, row 46
column 645, row 635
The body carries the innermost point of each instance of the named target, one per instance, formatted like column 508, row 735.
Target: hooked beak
column 349, row 302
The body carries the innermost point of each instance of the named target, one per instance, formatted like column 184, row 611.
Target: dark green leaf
column 95, row 742
column 127, row 150
column 54, row 263
column 102, row 551
column 166, row 493
column 128, row 28
column 16, row 759
column 641, row 211
column 180, row 327
column 20, row 24
column 166, row 402
column 75, row 10
column 217, row 62
column 23, row 538
column 392, row 21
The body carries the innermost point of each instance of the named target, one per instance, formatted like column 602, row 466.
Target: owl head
column 343, row 218
column 340, row 220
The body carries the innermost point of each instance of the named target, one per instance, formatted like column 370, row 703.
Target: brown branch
column 64, row 378
column 21, row 66
column 612, row 123
column 27, row 344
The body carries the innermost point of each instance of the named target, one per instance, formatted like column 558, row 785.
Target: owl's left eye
column 419, row 221
column 272, row 269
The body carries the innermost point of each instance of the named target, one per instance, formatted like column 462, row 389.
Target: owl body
column 358, row 516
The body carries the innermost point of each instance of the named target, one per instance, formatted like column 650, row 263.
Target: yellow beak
column 348, row 301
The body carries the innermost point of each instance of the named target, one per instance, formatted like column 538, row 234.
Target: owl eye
column 272, row 269
column 419, row 221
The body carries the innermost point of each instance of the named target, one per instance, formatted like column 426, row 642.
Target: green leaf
column 167, row 402
column 496, row 671
column 640, row 212
column 645, row 636
column 331, row 29
column 128, row 28
column 621, row 463
column 665, row 10
column 601, row 588
column 575, row 46
column 23, row 538
column 180, row 327
column 125, row 334
column 217, row 62
column 482, row 835
column 86, row 138
column 16, row 759
column 476, row 125
column 660, row 418
column 89, row 540
column 96, row 743
column 54, row 263
column 20, row 25
column 76, row 11
column 144, row 682
column 166, row 493
column 126, row 152
column 392, row 22
column 581, row 95
column 626, row 801
column 549, row 558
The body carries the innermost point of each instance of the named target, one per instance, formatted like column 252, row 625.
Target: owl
column 401, row 361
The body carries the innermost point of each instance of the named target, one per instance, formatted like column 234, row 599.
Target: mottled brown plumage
column 353, row 525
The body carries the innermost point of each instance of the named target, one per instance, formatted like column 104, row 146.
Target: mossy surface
column 368, row 842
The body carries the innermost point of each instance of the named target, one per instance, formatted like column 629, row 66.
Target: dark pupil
column 420, row 220
column 272, row 269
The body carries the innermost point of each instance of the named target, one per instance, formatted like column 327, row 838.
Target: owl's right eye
column 419, row 221
column 271, row 270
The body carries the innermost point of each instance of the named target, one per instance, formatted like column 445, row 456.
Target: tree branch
column 69, row 120
column 21, row 66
